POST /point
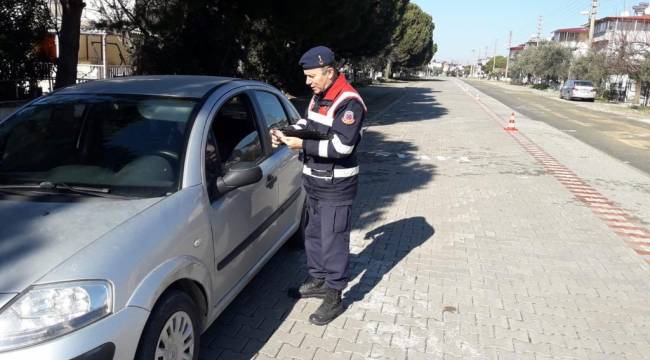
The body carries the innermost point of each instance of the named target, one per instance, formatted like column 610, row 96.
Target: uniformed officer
column 330, row 176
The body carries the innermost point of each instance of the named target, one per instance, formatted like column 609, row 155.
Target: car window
column 130, row 144
column 235, row 132
column 584, row 83
column 272, row 109
column 294, row 116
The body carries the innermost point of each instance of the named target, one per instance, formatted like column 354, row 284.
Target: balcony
column 87, row 72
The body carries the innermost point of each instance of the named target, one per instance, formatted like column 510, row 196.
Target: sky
column 463, row 25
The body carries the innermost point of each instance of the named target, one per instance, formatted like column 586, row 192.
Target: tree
column 281, row 31
column 66, row 73
column 548, row 61
column 628, row 58
column 23, row 24
column 592, row 66
column 412, row 41
column 498, row 63
column 246, row 38
column 644, row 79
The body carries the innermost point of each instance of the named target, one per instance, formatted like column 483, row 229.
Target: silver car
column 578, row 89
column 132, row 211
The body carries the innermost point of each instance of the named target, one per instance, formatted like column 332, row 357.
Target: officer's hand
column 292, row 142
column 276, row 136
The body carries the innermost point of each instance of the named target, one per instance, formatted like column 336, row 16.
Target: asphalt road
column 625, row 139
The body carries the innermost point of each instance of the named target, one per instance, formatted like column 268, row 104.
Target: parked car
column 578, row 89
column 134, row 210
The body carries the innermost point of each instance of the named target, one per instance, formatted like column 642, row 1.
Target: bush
column 540, row 86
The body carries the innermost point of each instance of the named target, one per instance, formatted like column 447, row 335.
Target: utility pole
column 508, row 58
column 539, row 29
column 494, row 58
column 473, row 63
column 592, row 21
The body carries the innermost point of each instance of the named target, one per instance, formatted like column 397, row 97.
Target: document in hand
column 304, row 133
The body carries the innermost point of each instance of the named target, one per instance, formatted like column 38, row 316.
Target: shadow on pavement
column 419, row 104
column 390, row 244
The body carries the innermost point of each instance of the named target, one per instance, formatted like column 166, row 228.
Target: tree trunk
column 66, row 72
column 389, row 69
column 637, row 92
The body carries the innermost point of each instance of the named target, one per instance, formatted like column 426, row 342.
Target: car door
column 278, row 113
column 241, row 219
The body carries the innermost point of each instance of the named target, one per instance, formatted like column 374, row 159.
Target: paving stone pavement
column 463, row 247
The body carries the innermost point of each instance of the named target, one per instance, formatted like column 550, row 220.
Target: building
column 611, row 31
column 576, row 39
column 101, row 54
column 632, row 34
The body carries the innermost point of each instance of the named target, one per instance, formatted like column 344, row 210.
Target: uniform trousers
column 327, row 240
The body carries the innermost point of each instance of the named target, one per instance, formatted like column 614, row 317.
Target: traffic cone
column 511, row 123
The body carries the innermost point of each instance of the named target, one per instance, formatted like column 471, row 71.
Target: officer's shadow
column 390, row 245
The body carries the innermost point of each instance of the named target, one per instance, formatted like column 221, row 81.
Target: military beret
column 316, row 57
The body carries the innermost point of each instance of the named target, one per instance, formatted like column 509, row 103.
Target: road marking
column 602, row 207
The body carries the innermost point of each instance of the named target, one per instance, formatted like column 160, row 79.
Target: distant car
column 133, row 210
column 578, row 89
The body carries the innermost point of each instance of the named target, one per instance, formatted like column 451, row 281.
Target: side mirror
column 238, row 176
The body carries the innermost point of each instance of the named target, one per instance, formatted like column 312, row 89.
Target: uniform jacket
column 330, row 169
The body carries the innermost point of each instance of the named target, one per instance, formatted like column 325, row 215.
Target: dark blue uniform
column 330, row 175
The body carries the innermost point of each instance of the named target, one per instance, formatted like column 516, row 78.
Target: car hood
column 36, row 236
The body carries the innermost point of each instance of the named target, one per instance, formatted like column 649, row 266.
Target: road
column 625, row 139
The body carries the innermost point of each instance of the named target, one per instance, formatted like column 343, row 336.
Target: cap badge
column 320, row 60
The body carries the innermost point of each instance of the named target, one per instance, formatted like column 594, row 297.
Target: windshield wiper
column 48, row 185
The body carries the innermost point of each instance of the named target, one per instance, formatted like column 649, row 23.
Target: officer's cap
column 316, row 57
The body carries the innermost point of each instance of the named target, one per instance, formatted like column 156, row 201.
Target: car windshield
column 584, row 83
column 129, row 145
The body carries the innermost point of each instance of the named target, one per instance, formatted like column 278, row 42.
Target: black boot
column 312, row 288
column 329, row 310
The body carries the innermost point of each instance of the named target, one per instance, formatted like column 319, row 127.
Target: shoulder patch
column 348, row 117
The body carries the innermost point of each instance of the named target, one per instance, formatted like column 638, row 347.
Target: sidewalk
column 465, row 245
column 611, row 108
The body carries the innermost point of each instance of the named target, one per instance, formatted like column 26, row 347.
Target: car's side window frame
column 288, row 106
column 208, row 132
column 265, row 137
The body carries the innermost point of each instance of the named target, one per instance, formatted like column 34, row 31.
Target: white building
column 610, row 31
column 632, row 33
column 576, row 39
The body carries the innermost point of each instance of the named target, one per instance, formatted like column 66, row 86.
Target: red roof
column 520, row 47
column 572, row 30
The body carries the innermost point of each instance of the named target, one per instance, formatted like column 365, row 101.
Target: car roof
column 186, row 86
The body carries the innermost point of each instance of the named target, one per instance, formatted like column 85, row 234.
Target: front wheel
column 172, row 331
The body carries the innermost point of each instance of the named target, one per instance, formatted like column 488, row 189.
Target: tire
column 180, row 307
column 297, row 240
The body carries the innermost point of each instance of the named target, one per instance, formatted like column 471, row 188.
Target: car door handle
column 270, row 181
